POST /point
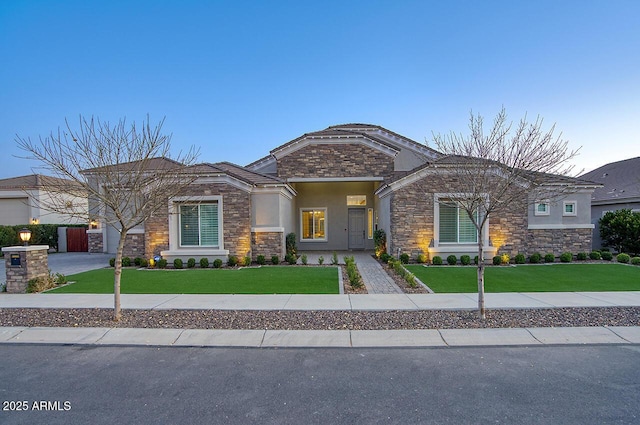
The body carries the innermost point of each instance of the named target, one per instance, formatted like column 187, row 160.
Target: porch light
column 93, row 223
column 25, row 235
column 34, row 220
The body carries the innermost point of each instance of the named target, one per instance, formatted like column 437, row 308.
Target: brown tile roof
column 159, row 163
column 32, row 181
column 236, row 171
column 331, row 132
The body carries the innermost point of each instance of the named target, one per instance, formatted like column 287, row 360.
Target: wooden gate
column 77, row 239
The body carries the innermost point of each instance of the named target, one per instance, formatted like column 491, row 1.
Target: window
column 199, row 225
column 313, row 223
column 541, row 208
column 370, row 223
column 456, row 225
column 356, row 200
column 569, row 208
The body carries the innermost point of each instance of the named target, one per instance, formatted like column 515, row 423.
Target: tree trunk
column 117, row 314
column 481, row 275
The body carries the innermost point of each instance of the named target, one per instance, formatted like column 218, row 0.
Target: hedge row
column 41, row 234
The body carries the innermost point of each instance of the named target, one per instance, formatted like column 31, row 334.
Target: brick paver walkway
column 375, row 278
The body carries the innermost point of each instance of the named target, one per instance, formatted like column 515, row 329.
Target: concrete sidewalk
column 323, row 338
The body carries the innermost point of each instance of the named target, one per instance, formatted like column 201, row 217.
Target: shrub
column 143, row 262
column 436, row 260
column 275, row 259
column 136, row 261
column 404, row 258
column 623, row 258
column 246, row 261
column 177, row 263
column 304, row 259
column 232, row 261
column 204, row 262
column 321, row 260
column 566, row 257
column 162, row 263
column 607, row 256
column 217, row 263
column 581, row 256
column 191, row 263
column 355, row 279
column 112, row 262
column 334, row 258
column 475, row 260
column 519, row 259
column 291, row 258
column 465, row 260
column 61, row 279
column 635, row 261
column 620, row 229
column 261, row 260
column 497, row 260
column 380, row 242
column 549, row 258
column 126, row 262
column 421, row 259
column 290, row 243
column 385, row 257
column 452, row 260
column 41, row 283
column 595, row 255
column 535, row 258
column 504, row 258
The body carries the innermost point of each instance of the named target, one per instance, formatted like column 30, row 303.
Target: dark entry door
column 77, row 239
column 356, row 228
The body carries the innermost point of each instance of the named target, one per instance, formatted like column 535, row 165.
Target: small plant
column 3, row 287
column 436, row 260
column 304, row 259
column 566, row 257
column 549, row 258
column 421, row 259
column 623, row 258
column 136, row 261
column 384, row 257
column 144, row 262
column 162, row 263
column 246, row 261
column 581, row 256
column 261, row 260
column 535, row 258
column 607, row 256
column 275, row 260
column 404, row 258
column 204, row 263
column 191, row 263
column 504, row 258
column 126, row 262
column 475, row 260
column 217, row 263
column 291, row 259
column 112, row 262
column 61, row 279
column 232, row 261
column 41, row 283
column 380, row 242
column 177, row 263
column 519, row 259
column 497, row 260
column 465, row 260
column 452, row 260
column 334, row 258
column 320, row 260
column 595, row 255
column 290, row 243
column 635, row 261
column 355, row 279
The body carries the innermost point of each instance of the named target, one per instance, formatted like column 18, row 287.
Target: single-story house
column 333, row 188
column 23, row 200
column 620, row 189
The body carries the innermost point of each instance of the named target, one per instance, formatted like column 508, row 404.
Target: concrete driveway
column 69, row 263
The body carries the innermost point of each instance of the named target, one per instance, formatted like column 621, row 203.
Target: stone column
column 24, row 263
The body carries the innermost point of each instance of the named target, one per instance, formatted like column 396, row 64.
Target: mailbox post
column 23, row 263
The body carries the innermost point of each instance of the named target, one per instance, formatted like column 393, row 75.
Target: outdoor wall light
column 94, row 224
column 25, row 235
column 34, row 220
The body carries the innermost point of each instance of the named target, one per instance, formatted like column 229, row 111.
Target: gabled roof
column 158, row 163
column 235, row 171
column 32, row 181
column 620, row 181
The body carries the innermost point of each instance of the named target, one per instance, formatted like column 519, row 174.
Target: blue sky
column 238, row 78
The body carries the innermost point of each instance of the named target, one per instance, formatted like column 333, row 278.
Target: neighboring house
column 333, row 188
column 620, row 190
column 22, row 201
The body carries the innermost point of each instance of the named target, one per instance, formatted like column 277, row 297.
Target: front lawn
column 531, row 278
column 263, row 280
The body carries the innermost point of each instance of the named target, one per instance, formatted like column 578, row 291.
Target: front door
column 356, row 228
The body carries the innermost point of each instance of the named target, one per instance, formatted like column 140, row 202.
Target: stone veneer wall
column 340, row 160
column 236, row 216
column 134, row 246
column 267, row 244
column 96, row 244
column 412, row 224
column 34, row 263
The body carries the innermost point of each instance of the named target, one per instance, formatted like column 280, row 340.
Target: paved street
column 150, row 385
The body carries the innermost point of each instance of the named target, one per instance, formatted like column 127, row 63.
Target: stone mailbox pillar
column 24, row 263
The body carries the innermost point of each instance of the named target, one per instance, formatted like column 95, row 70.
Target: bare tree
column 504, row 167
column 124, row 170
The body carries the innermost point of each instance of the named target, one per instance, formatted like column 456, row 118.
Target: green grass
column 532, row 278
column 264, row 280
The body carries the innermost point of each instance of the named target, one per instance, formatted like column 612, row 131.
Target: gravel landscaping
column 322, row 320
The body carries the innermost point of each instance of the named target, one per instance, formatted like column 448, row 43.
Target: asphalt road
column 150, row 385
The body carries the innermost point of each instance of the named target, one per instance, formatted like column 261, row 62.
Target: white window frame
column 566, row 213
column 326, row 227
column 436, row 225
column 196, row 204
column 174, row 223
column 542, row 213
